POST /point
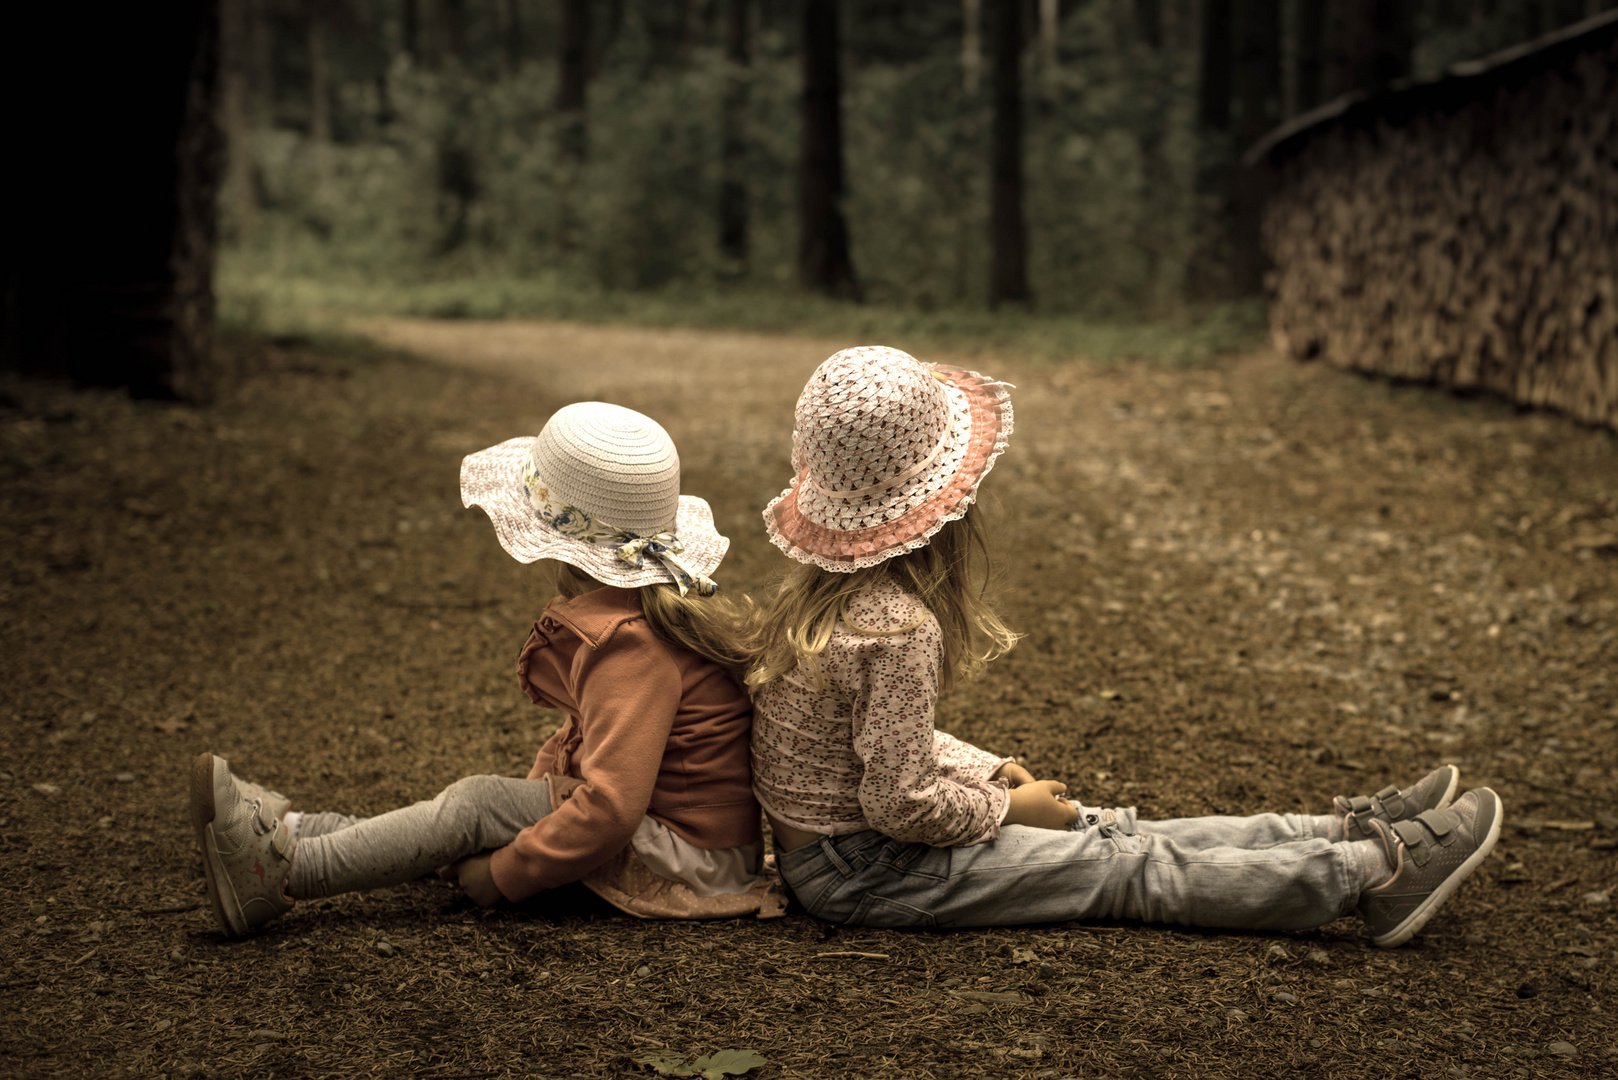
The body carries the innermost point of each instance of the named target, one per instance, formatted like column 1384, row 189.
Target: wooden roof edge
column 1456, row 78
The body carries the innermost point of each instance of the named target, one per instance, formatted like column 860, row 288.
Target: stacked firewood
column 1463, row 232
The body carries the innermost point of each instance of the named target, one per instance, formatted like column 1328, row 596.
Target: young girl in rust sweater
column 643, row 795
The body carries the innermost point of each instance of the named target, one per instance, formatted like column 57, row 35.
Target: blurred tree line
column 1081, row 154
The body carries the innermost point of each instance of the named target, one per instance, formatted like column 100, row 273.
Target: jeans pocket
column 881, row 911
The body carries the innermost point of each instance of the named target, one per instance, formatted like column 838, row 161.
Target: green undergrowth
column 256, row 301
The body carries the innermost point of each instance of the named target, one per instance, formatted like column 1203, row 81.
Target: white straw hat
column 599, row 489
column 888, row 450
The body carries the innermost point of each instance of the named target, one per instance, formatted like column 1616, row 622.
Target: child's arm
column 893, row 683
column 629, row 692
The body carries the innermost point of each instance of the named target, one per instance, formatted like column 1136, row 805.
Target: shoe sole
column 1417, row 919
column 203, row 812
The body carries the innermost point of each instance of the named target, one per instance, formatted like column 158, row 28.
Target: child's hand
column 1013, row 774
column 475, row 879
column 1036, row 804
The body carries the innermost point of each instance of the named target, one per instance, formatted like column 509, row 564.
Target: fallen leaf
column 709, row 1066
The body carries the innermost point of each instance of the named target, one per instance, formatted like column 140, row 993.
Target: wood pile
column 1463, row 231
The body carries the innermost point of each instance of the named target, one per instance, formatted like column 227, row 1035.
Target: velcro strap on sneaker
column 1392, row 804
column 1413, row 836
column 263, row 821
column 1361, row 809
column 1441, row 824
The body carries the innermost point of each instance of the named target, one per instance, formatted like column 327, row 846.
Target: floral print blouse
column 858, row 751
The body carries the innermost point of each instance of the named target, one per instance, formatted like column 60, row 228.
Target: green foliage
column 709, row 1066
column 447, row 173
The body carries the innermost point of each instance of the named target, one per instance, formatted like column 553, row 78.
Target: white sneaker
column 246, row 850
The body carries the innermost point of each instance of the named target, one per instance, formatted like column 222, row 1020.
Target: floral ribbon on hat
column 632, row 548
column 665, row 548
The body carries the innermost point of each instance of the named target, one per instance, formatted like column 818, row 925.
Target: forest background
column 652, row 160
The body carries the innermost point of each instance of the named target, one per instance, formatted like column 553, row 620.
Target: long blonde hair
column 950, row 575
column 717, row 627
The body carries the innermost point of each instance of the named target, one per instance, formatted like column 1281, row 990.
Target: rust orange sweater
column 651, row 729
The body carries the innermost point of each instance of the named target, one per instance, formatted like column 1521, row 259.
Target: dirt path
column 1249, row 586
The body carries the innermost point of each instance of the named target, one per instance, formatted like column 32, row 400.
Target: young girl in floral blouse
column 880, row 820
column 643, row 794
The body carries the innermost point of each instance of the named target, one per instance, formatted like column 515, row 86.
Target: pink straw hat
column 888, row 450
column 599, row 489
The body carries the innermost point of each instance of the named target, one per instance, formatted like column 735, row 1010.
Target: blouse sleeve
column 959, row 760
column 904, row 792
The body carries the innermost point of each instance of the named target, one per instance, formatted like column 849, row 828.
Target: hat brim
column 956, row 478
column 492, row 479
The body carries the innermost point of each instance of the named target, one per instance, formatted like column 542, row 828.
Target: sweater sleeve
column 892, row 682
column 629, row 692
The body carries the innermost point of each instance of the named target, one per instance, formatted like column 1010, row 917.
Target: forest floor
column 1246, row 585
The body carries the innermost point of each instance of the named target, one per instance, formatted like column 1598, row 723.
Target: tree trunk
column 449, row 31
column 573, row 58
column 410, row 28
column 733, row 137
column 236, row 115
column 824, row 263
column 1258, row 101
column 1008, row 233
column 1369, row 43
column 1311, row 43
column 1149, row 23
column 1050, row 32
column 510, row 38
column 971, row 46
column 1208, row 276
column 319, row 77
column 111, row 283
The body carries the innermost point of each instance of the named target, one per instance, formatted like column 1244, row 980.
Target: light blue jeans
column 1265, row 872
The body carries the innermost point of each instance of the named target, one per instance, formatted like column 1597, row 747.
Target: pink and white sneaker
column 246, row 850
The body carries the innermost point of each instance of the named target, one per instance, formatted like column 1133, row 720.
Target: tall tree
column 1208, row 274
column 510, row 38
column 573, row 63
column 733, row 136
column 236, row 113
column 824, row 262
column 1309, row 36
column 111, row 283
column 1369, row 44
column 1008, row 231
column 1258, row 102
column 448, row 28
column 319, row 75
column 971, row 46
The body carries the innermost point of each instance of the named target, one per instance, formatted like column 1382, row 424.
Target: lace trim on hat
column 844, row 551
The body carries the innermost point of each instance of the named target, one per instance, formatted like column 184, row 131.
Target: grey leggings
column 336, row 854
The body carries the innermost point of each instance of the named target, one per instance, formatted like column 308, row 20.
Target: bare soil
column 1248, row 586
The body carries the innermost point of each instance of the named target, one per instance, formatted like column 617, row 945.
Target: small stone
column 1279, row 952
column 177, row 955
column 104, row 822
column 125, row 778
column 162, row 1025
column 1342, row 984
column 1235, row 1016
column 1284, row 998
column 1318, row 956
column 265, row 1035
column 47, row 789
column 384, row 949
column 1565, row 1049
column 1594, row 899
column 642, row 972
column 1475, row 939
